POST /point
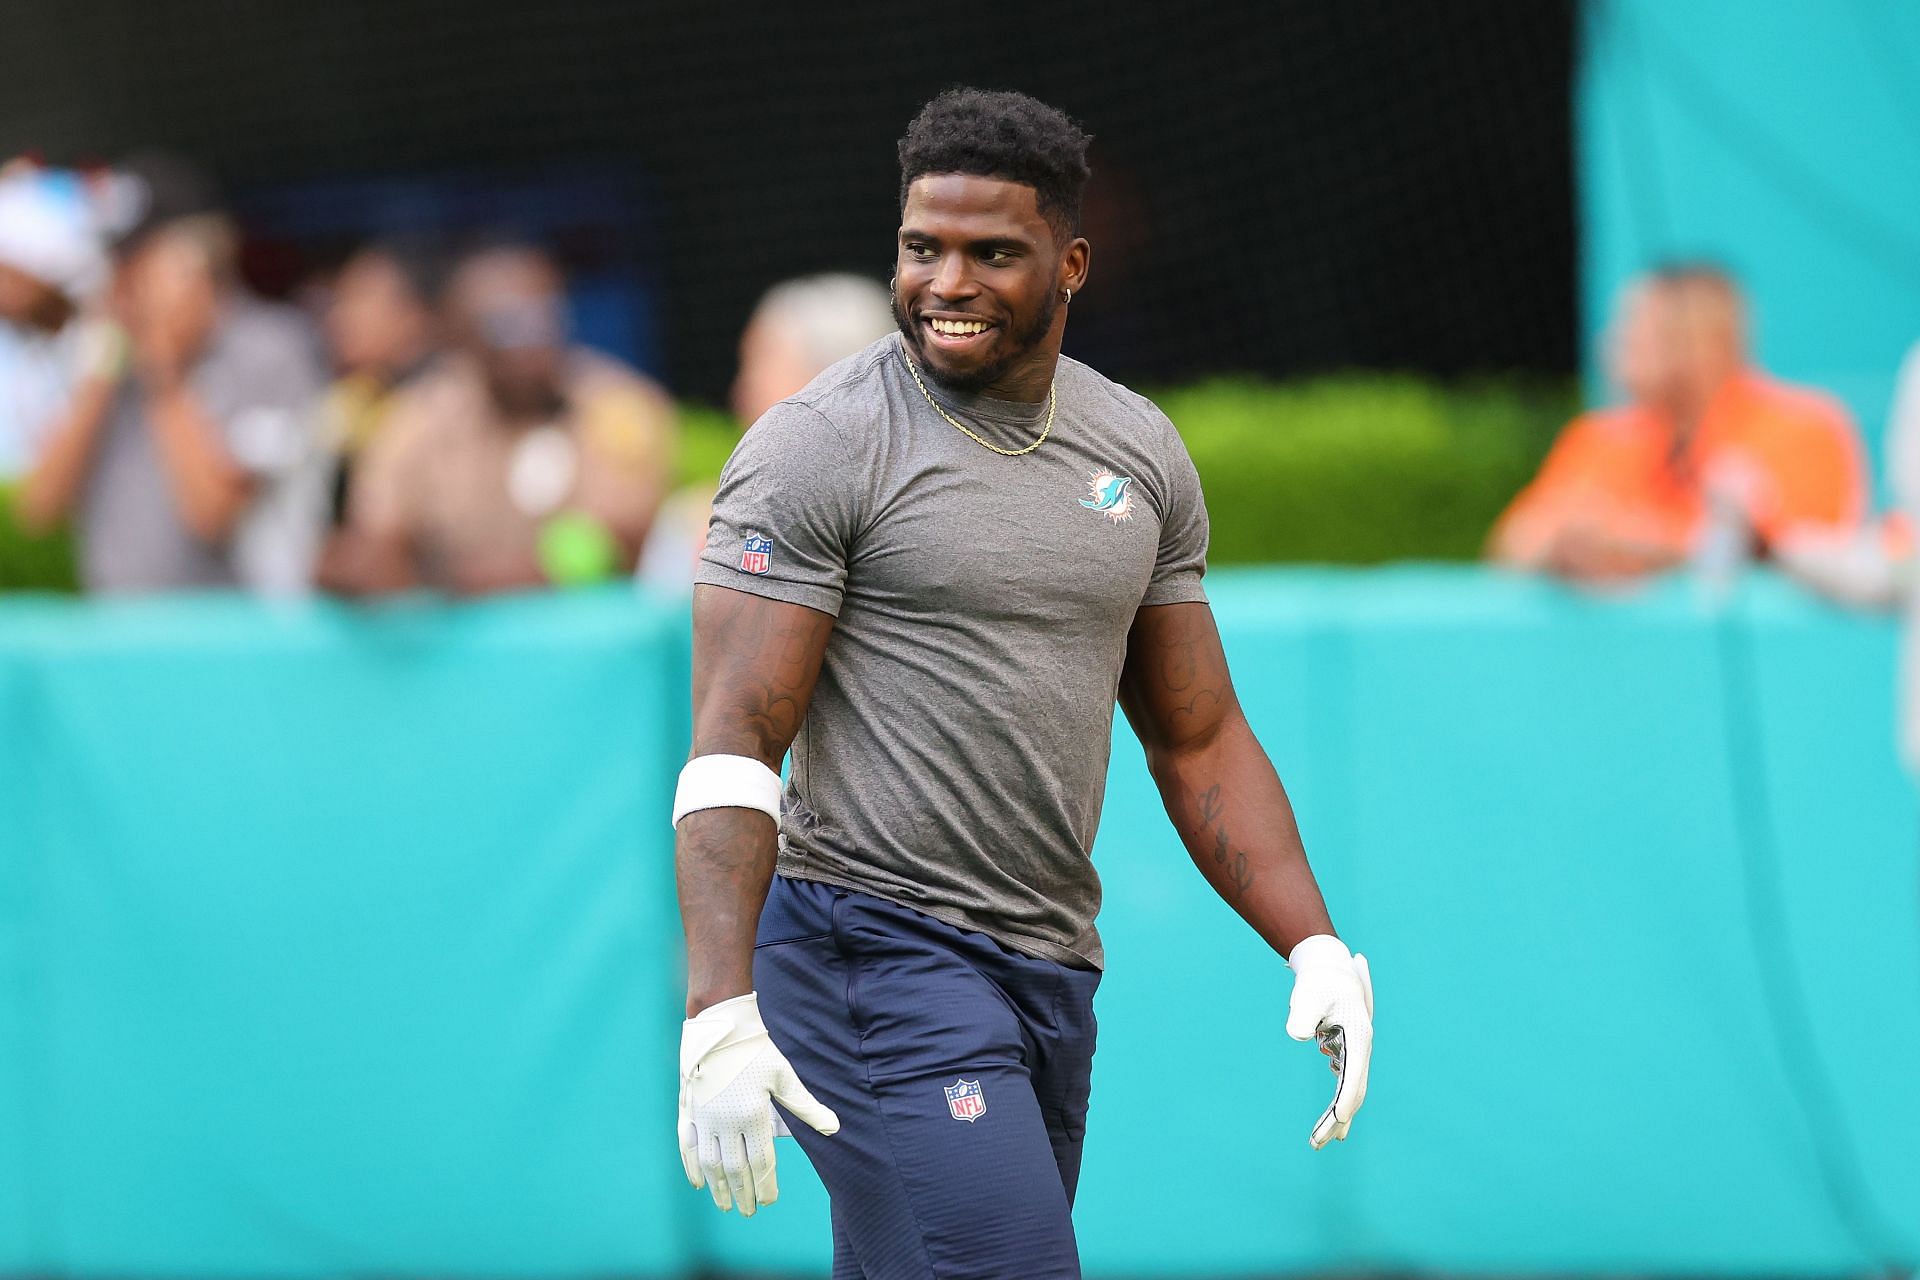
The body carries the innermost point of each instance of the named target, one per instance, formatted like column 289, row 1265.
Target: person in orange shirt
column 1626, row 491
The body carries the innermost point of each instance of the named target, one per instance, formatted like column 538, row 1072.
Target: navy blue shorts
column 959, row 1070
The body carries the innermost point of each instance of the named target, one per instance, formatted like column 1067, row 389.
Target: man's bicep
column 1174, row 687
column 755, row 661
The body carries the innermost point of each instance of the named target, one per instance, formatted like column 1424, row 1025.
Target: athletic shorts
column 960, row 1072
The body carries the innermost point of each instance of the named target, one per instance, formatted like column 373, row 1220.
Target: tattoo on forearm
column 1232, row 862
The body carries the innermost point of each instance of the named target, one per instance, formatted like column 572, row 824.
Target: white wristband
column 726, row 782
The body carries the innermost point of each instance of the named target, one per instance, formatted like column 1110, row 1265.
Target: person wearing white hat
column 51, row 264
column 185, row 456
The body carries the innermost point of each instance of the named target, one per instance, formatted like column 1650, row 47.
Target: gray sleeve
column 786, row 513
column 265, row 395
column 1182, row 558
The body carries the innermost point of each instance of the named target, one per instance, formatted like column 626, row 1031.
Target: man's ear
column 1075, row 262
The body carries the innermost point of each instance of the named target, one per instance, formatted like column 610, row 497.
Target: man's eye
column 997, row 256
column 920, row 251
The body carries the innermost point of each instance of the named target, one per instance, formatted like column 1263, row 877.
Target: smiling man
column 930, row 575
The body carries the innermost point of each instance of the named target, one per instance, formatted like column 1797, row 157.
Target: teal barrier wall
column 340, row 943
column 1780, row 139
column 351, row 940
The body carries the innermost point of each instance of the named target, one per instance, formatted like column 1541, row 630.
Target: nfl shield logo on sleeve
column 965, row 1100
column 758, row 555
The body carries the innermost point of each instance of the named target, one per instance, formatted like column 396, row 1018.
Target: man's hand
column 1871, row 567
column 1588, row 553
column 1333, row 1000
column 730, row 1076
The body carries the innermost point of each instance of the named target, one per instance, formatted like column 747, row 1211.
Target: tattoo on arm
column 754, row 663
column 1187, row 694
column 759, row 667
column 1175, row 685
column 1231, row 861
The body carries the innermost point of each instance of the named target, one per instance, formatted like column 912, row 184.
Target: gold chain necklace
column 962, row 427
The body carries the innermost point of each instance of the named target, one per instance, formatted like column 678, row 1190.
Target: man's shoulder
column 1800, row 405
column 1093, row 389
column 854, row 385
column 1115, row 412
column 433, row 409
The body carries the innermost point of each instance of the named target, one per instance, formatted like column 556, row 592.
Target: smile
column 955, row 333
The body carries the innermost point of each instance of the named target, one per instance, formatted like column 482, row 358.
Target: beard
column 1021, row 343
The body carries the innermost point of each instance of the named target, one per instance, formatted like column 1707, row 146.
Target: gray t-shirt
column 954, row 756
column 260, row 382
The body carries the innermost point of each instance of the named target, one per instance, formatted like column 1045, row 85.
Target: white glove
column 1333, row 999
column 729, row 1074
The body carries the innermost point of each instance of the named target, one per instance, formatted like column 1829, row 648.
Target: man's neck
column 1031, row 382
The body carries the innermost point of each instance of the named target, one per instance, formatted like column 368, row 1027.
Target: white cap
column 48, row 234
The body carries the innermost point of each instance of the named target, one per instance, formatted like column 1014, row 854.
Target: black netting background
column 1282, row 187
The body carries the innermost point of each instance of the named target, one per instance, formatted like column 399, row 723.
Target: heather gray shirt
column 954, row 756
column 259, row 382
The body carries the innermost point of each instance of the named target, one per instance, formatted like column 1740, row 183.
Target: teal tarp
column 335, row 942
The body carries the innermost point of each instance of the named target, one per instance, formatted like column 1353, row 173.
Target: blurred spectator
column 1625, row 491
column 516, row 461
column 186, row 451
column 382, row 334
column 1875, row 567
column 798, row 330
column 51, row 265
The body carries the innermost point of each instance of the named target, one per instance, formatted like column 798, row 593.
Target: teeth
column 957, row 328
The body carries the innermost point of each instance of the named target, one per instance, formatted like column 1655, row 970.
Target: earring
column 1066, row 295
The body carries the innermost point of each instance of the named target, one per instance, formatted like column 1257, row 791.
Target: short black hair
column 995, row 133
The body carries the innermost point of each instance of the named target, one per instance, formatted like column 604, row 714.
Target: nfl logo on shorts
column 965, row 1100
column 758, row 556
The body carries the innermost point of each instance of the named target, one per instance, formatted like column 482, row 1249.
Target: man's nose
column 952, row 279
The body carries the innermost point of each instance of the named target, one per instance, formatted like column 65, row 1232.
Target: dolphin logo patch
column 1111, row 495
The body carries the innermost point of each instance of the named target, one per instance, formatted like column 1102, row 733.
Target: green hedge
column 32, row 564
column 1354, row 469
column 1350, row 469
column 1363, row 469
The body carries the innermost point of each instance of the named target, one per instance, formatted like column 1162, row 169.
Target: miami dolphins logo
column 1110, row 495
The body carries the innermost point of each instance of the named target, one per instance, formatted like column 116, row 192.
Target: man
column 797, row 331
column 186, row 451
column 1627, row 491
column 516, row 462
column 382, row 334
column 938, row 566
